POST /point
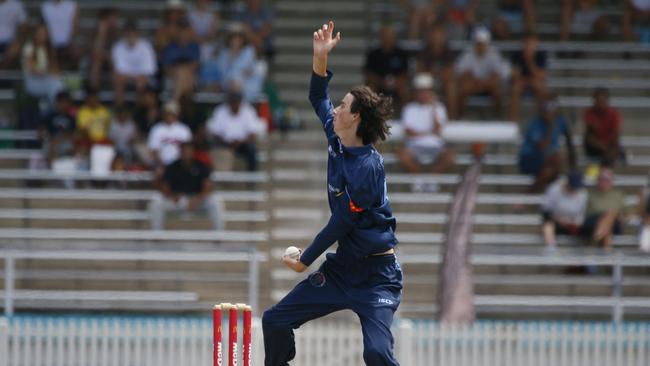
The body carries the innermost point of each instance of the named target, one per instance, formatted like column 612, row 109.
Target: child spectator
column 166, row 136
column 233, row 125
column 563, row 208
column 106, row 34
column 479, row 70
column 186, row 187
column 123, row 133
column 13, row 23
column 40, row 67
column 180, row 60
column 258, row 26
column 528, row 73
column 58, row 129
column 93, row 120
column 134, row 62
column 603, row 125
column 437, row 59
column 539, row 154
column 423, row 120
column 583, row 16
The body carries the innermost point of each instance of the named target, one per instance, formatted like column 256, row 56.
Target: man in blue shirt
column 539, row 154
column 363, row 275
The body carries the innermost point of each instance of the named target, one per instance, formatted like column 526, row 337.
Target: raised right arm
column 318, row 94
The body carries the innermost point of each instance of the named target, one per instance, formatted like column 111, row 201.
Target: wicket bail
column 217, row 321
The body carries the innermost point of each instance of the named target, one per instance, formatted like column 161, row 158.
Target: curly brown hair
column 374, row 110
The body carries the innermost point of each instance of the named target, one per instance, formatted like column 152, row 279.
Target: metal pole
column 617, row 290
column 9, row 285
column 253, row 279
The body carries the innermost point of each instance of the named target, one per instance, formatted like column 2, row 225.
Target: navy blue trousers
column 371, row 288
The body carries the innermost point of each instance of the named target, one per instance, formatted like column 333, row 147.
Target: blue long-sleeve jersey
column 361, row 217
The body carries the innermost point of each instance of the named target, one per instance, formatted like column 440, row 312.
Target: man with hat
column 423, row 120
column 479, row 70
column 563, row 208
column 166, row 136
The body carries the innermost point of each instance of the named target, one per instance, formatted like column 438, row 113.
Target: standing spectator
column 437, row 59
column 421, row 15
column 605, row 209
column 603, row 127
column 233, row 125
column 58, row 129
column 513, row 16
column 13, row 23
column 93, row 120
column 423, row 120
column 186, row 187
column 62, row 19
column 166, row 136
column 134, row 62
column 180, row 60
column 539, row 154
column 479, row 69
column 106, row 34
column 563, row 208
column 204, row 19
column 174, row 13
column 42, row 77
column 636, row 11
column 258, row 23
column 237, row 63
column 123, row 133
column 528, row 72
column 583, row 16
column 386, row 67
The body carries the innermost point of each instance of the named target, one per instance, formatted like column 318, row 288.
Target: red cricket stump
column 217, row 319
column 232, row 336
column 248, row 336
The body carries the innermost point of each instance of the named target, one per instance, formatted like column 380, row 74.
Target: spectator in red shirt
column 602, row 129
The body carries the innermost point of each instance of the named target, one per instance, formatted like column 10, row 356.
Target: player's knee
column 270, row 320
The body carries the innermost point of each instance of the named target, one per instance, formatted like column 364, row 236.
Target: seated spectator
column 528, row 73
column 258, row 26
column 539, row 154
column 461, row 15
column 421, row 16
column 62, row 19
column 58, row 129
column 437, row 59
column 605, row 209
column 423, row 120
column 186, row 187
column 386, row 67
column 516, row 16
column 636, row 12
column 563, row 208
column 237, row 63
column 147, row 111
column 479, row 71
column 93, row 120
column 180, row 60
column 40, row 67
column 583, row 16
column 603, row 127
column 233, row 126
column 13, row 24
column 134, row 62
column 123, row 133
column 166, row 136
column 204, row 19
column 106, row 34
column 165, row 34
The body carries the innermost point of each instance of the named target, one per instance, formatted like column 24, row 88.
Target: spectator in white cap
column 166, row 136
column 423, row 120
column 479, row 70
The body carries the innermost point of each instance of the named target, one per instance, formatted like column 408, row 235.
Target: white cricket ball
column 292, row 252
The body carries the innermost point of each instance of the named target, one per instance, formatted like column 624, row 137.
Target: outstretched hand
column 324, row 41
